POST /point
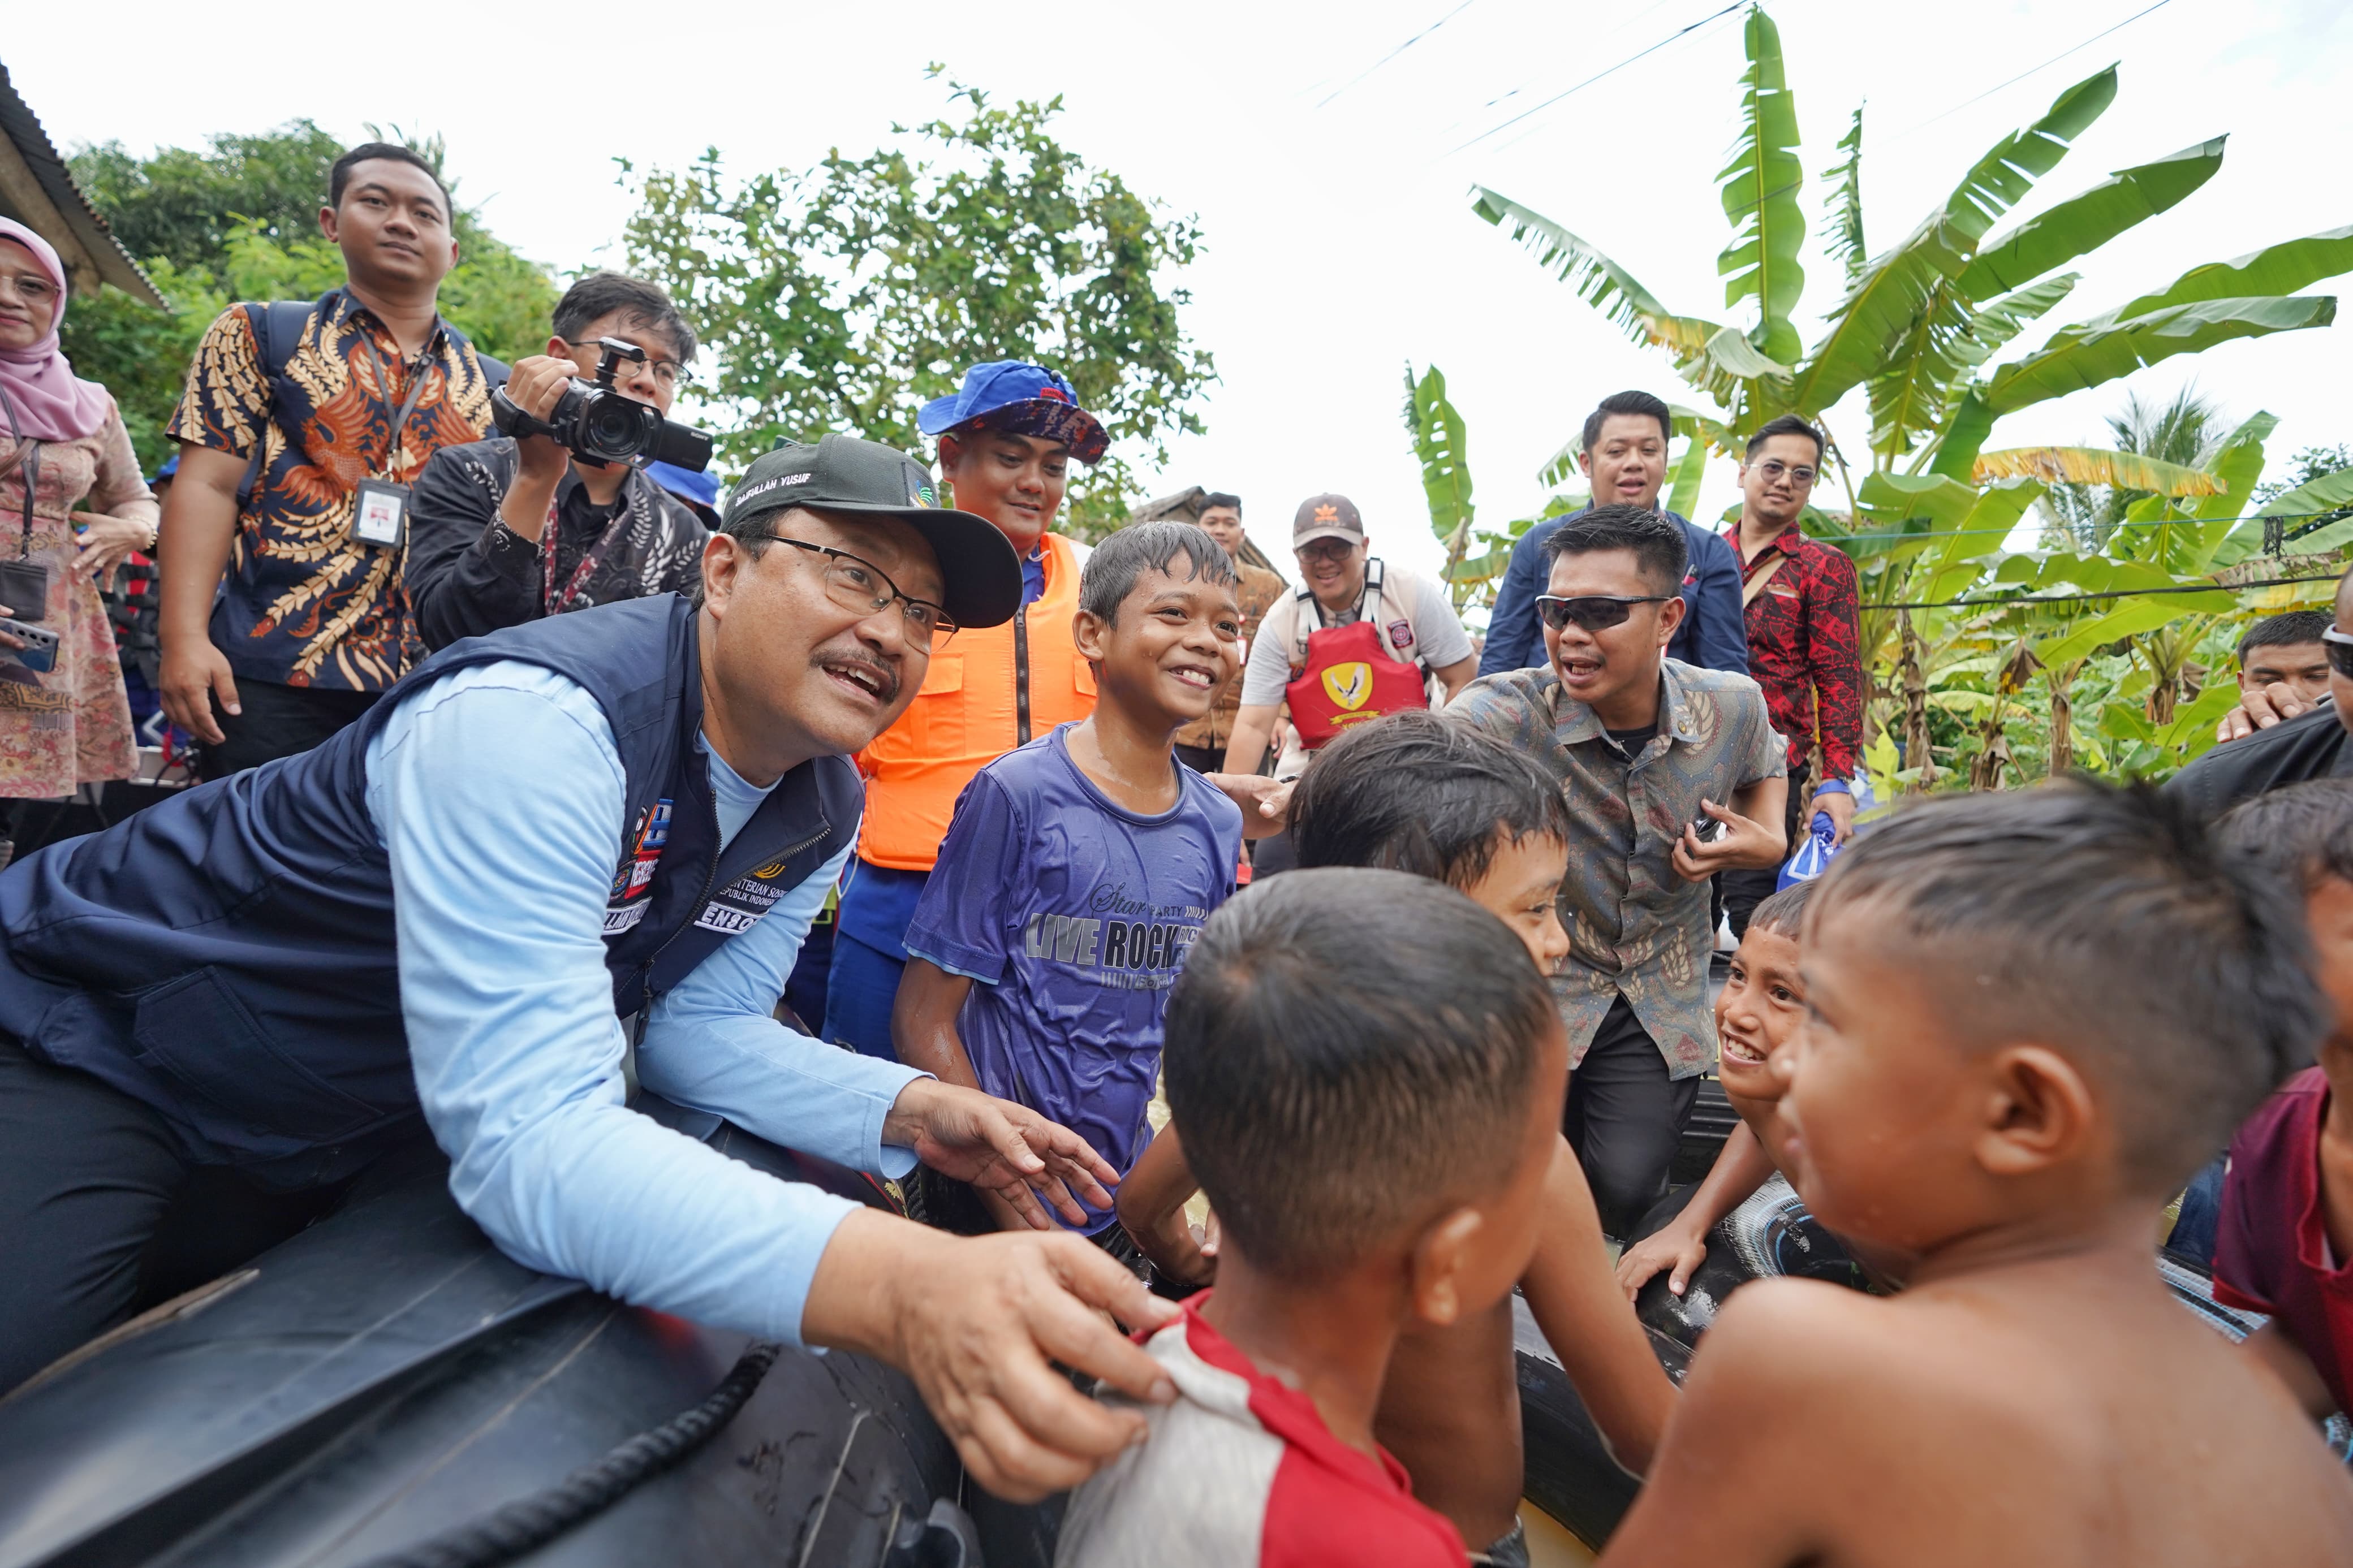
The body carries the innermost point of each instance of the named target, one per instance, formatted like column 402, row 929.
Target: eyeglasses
column 1325, row 549
column 1773, row 469
column 862, row 586
column 2340, row 648
column 668, row 372
column 31, row 290
column 1592, row 612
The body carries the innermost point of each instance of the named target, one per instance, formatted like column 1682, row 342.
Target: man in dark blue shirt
column 1625, row 457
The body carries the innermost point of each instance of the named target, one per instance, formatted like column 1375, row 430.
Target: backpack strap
column 278, row 326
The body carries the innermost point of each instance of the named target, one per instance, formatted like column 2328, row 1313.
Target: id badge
column 378, row 512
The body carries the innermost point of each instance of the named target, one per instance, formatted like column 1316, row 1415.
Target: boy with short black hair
column 2286, row 650
column 1369, row 1074
column 2029, row 1017
column 1414, row 793
column 2284, row 1243
column 1077, row 873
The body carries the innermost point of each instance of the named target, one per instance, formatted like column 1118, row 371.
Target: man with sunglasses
column 1672, row 773
column 1800, row 600
column 2307, row 743
column 551, row 853
column 506, row 530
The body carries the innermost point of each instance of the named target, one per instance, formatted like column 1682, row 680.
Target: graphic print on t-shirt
column 1130, row 946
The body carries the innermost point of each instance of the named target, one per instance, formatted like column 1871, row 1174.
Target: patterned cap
column 1020, row 399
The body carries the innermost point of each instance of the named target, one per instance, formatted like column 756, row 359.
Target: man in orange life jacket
column 1007, row 440
column 1359, row 640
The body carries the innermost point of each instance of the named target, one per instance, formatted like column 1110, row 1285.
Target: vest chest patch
column 624, row 903
column 742, row 902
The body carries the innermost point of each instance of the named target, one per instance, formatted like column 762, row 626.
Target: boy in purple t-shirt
column 1077, row 872
column 2284, row 1243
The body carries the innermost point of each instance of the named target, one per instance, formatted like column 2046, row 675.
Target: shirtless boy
column 2029, row 1017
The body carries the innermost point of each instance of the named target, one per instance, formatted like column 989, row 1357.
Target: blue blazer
column 1712, row 635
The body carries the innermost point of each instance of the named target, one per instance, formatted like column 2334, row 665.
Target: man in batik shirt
column 1645, row 747
column 283, row 616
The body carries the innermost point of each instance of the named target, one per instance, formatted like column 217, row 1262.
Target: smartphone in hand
column 1705, row 828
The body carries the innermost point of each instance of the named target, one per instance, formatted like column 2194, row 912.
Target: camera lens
column 617, row 427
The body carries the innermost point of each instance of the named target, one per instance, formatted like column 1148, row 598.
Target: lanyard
column 552, row 602
column 383, row 391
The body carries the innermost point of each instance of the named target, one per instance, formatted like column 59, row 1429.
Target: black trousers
column 1202, row 759
column 1624, row 1117
column 277, row 722
column 1743, row 890
column 103, row 1218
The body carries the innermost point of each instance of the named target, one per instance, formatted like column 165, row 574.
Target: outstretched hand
column 1001, row 1148
column 978, row 1323
column 1674, row 1249
column 1265, row 802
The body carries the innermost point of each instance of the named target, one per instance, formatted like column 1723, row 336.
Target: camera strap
column 553, row 602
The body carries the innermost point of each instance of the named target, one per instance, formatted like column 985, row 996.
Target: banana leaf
column 1760, row 186
column 1683, row 482
column 1883, row 302
column 1992, row 329
column 2091, row 356
column 2095, row 466
column 1600, row 281
column 2130, row 618
column 1842, row 230
column 1438, row 444
column 2082, row 224
column 2306, row 502
column 2279, row 268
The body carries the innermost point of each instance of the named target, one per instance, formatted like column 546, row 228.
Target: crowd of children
column 1984, row 1049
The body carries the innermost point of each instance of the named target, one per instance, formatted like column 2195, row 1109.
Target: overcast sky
column 1340, row 245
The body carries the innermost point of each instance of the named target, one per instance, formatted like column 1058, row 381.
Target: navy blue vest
column 228, row 956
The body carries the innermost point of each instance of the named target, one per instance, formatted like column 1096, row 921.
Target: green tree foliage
column 844, row 297
column 238, row 220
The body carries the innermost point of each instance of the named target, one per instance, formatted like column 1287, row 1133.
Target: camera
column 597, row 421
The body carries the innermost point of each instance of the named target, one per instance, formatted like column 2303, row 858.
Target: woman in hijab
column 73, row 504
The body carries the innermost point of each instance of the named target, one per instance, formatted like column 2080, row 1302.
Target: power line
column 1931, row 534
column 2021, row 76
column 1398, row 50
column 1621, row 65
column 2111, row 594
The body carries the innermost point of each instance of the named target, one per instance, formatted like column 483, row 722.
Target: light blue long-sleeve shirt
column 498, row 794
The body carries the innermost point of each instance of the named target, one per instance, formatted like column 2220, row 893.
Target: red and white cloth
column 1241, row 1469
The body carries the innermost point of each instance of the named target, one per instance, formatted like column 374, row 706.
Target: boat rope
column 512, row 1530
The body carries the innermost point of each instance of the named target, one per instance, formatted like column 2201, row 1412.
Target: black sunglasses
column 2338, row 646
column 1592, row 612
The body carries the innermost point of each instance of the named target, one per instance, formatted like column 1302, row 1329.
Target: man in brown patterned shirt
column 1644, row 747
column 1202, row 744
column 313, row 622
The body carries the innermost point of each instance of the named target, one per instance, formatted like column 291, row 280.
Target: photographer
column 506, row 530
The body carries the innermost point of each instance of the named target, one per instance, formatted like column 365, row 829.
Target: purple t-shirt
column 1072, row 915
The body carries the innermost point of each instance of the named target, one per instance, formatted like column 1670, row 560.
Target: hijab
column 51, row 403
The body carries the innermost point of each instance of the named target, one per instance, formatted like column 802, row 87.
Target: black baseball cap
column 844, row 474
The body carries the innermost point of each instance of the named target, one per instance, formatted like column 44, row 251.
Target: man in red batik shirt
column 1797, row 596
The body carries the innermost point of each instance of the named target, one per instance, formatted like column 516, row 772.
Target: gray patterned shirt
column 1635, row 929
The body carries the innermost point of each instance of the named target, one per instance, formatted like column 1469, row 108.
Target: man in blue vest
column 548, row 851
column 1624, row 457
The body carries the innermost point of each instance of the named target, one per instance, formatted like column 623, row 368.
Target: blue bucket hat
column 1021, row 399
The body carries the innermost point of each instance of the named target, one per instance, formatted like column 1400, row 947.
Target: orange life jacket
column 988, row 689
column 1345, row 675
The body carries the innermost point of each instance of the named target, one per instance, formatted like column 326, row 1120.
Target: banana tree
column 1920, row 323
column 1475, row 557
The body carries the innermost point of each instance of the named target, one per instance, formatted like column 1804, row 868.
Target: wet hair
column 2109, row 924
column 1657, row 542
column 2284, row 630
column 637, row 302
column 1224, row 499
column 1349, row 1052
column 339, row 176
column 1641, row 403
column 1111, row 573
column 2302, row 833
column 1786, row 424
column 1783, row 913
column 1415, row 792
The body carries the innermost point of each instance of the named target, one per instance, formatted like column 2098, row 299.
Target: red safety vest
column 1345, row 675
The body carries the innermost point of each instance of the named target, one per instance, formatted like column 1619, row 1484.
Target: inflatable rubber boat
column 387, row 1387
